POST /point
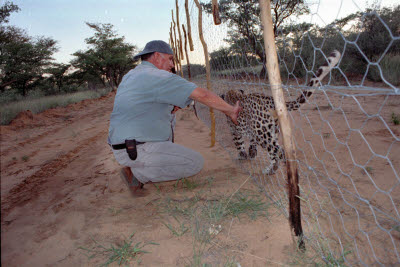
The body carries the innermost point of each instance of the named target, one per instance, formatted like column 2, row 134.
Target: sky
column 139, row 21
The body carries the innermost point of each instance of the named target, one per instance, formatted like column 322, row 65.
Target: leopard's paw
column 242, row 155
column 268, row 171
column 252, row 152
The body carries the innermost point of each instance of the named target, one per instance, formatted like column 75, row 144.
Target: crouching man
column 142, row 120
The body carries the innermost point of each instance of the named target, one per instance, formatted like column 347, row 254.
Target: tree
column 107, row 59
column 6, row 10
column 195, row 69
column 58, row 72
column 243, row 16
column 372, row 33
column 224, row 58
column 22, row 58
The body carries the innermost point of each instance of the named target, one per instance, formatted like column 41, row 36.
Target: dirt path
column 60, row 190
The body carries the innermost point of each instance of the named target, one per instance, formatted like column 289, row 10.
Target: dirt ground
column 61, row 192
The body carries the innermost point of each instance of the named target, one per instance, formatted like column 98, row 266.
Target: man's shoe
column 130, row 180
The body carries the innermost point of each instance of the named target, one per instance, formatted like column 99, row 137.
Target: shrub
column 11, row 110
column 390, row 66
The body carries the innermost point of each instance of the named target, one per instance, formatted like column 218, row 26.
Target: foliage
column 371, row 35
column 58, row 72
column 390, row 67
column 195, row 70
column 372, row 40
column 5, row 11
column 107, row 59
column 23, row 58
column 224, row 58
column 362, row 37
column 243, row 17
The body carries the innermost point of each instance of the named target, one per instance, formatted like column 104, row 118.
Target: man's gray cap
column 155, row 46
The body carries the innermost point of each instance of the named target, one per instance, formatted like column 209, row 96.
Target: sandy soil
column 60, row 190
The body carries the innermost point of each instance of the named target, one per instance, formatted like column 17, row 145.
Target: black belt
column 123, row 146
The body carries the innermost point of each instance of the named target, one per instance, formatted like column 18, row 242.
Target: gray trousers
column 161, row 161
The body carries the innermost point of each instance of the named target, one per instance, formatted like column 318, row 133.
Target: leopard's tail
column 333, row 59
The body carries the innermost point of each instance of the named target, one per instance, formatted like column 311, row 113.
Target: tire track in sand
column 30, row 188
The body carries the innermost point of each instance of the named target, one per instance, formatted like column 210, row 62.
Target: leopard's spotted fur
column 259, row 122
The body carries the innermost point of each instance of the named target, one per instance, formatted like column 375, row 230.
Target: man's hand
column 211, row 100
column 235, row 112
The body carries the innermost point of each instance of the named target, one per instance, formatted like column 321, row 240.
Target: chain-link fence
column 347, row 134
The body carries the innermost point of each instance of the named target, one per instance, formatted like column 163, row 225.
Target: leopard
column 258, row 119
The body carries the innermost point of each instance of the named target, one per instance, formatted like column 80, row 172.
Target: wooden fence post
column 172, row 45
column 203, row 42
column 280, row 107
column 176, row 51
column 187, row 55
column 188, row 25
column 179, row 29
column 215, row 11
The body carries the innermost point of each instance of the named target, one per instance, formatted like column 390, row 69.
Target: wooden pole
column 179, row 30
column 175, row 42
column 179, row 62
column 280, row 107
column 215, row 11
column 186, row 52
column 212, row 115
column 188, row 25
column 173, row 47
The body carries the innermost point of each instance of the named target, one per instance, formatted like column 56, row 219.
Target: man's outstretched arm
column 212, row 100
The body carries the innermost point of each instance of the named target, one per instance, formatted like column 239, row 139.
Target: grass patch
column 180, row 230
column 255, row 70
column 395, row 119
column 216, row 208
column 205, row 215
column 114, row 211
column 242, row 203
column 10, row 111
column 25, row 158
column 326, row 135
column 390, row 66
column 120, row 254
column 369, row 169
column 321, row 250
column 312, row 257
column 189, row 184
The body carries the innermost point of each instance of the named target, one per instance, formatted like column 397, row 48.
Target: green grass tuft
column 120, row 254
column 177, row 231
column 369, row 169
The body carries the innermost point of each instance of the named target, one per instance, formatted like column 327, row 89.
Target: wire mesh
column 347, row 135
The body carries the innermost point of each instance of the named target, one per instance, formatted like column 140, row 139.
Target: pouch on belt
column 131, row 148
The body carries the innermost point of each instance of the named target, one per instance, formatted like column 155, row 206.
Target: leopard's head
column 232, row 96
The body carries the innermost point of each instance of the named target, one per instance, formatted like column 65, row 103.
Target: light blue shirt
column 143, row 104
